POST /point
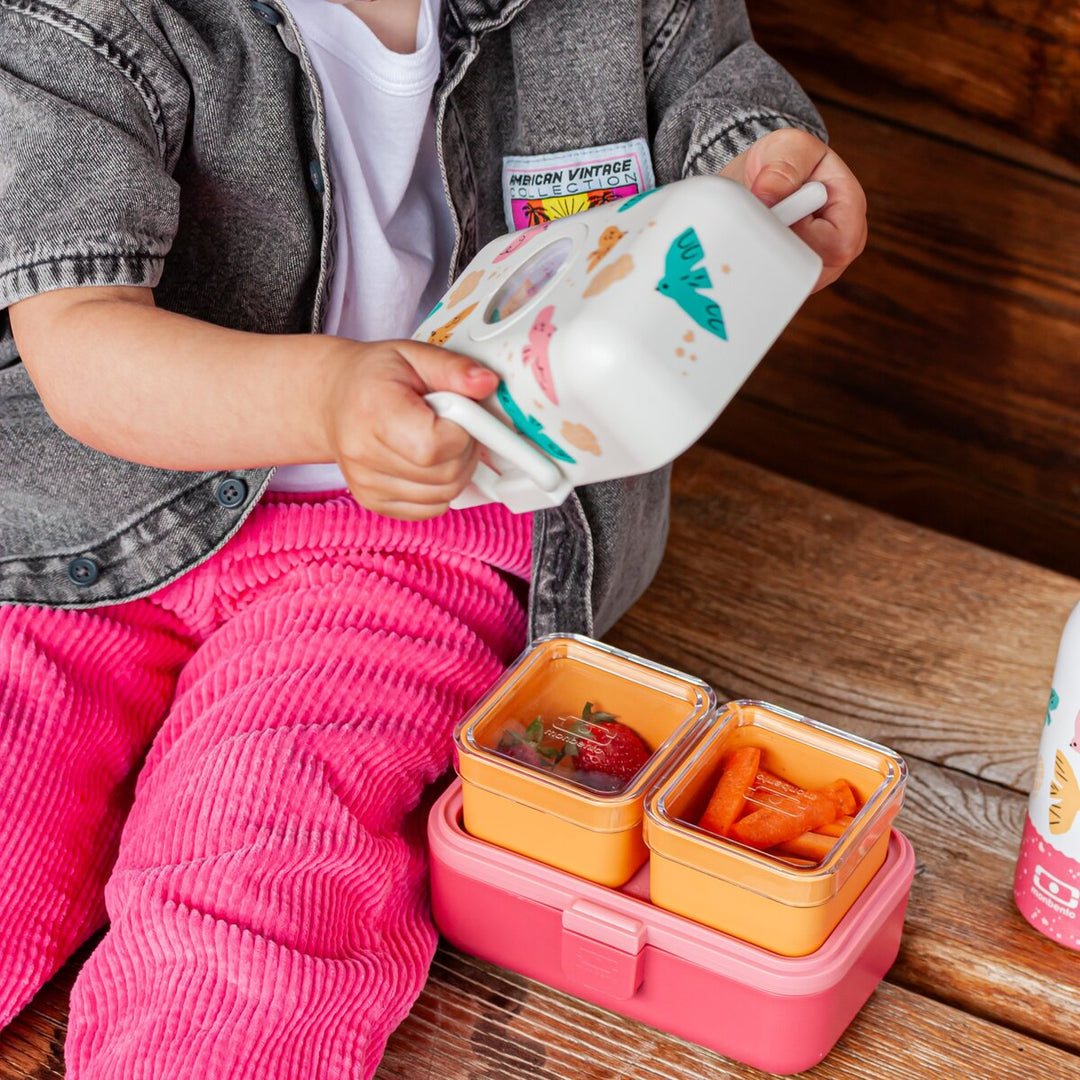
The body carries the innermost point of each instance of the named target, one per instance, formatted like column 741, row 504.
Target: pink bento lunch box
column 613, row 948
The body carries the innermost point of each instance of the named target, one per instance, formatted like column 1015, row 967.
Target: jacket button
column 315, row 173
column 231, row 492
column 83, row 571
column 267, row 13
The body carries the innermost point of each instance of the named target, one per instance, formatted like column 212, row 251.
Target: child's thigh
column 325, row 705
column 279, row 793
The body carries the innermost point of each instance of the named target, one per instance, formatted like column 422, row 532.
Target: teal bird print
column 1052, row 704
column 634, row 200
column 529, row 426
column 685, row 277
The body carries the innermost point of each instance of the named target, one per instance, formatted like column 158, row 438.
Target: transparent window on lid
column 529, row 281
column 748, row 800
column 592, row 749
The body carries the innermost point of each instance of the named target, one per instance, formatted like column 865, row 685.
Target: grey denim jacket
column 180, row 144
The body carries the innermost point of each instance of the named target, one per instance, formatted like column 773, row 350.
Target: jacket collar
column 477, row 17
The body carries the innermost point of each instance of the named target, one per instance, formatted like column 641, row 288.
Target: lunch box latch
column 603, row 949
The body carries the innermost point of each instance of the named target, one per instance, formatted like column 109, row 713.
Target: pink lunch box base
column 613, row 948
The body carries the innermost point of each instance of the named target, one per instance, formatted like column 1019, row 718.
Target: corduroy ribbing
column 268, row 903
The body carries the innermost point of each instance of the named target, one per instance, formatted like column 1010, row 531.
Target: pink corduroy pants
column 229, row 772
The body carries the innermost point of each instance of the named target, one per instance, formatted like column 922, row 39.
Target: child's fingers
column 421, row 446
column 432, row 461
column 397, row 455
column 443, row 369
column 386, row 435
column 390, row 484
column 391, row 496
column 412, row 442
column 838, row 233
column 780, row 163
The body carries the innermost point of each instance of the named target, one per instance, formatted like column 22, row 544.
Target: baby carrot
column 837, row 827
column 809, row 845
column 770, row 790
column 767, row 827
column 771, row 782
column 845, row 797
column 729, row 795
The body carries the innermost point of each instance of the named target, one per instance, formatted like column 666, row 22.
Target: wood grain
column 936, row 381
column 965, row 943
column 939, row 649
column 937, row 378
column 1001, row 76
column 478, row 1022
column 32, row 1047
column 969, row 502
column 774, row 590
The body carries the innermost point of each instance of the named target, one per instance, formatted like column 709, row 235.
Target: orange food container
column 548, row 813
column 783, row 904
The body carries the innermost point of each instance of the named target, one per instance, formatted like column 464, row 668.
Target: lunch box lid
column 628, row 923
column 596, row 811
column 684, row 841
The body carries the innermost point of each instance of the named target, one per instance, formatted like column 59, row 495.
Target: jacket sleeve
column 92, row 117
column 712, row 90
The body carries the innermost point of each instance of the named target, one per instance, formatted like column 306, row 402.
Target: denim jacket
column 181, row 145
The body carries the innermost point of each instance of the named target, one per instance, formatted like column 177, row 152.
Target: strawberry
column 593, row 749
column 601, row 744
column 525, row 744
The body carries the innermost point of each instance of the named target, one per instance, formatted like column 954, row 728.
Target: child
column 219, row 221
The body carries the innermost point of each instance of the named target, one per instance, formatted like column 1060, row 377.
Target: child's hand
column 781, row 162
column 398, row 457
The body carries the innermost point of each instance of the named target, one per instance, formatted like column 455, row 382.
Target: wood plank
column 944, row 356
column 970, row 504
column 478, row 1022
column 1000, row 76
column 773, row 590
column 956, row 895
column 965, row 943
column 32, row 1046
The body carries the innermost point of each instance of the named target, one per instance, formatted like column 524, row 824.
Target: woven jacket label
column 547, row 186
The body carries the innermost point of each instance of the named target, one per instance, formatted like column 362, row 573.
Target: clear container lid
column 800, row 753
column 550, row 732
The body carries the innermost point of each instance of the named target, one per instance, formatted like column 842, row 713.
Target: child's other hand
column 780, row 163
column 398, row 457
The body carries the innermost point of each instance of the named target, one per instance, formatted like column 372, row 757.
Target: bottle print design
column 1047, row 881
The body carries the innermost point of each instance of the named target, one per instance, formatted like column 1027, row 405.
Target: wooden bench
column 936, row 647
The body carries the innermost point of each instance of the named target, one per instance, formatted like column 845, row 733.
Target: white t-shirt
column 393, row 234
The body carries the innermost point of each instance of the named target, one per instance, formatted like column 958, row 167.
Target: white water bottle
column 1047, row 884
